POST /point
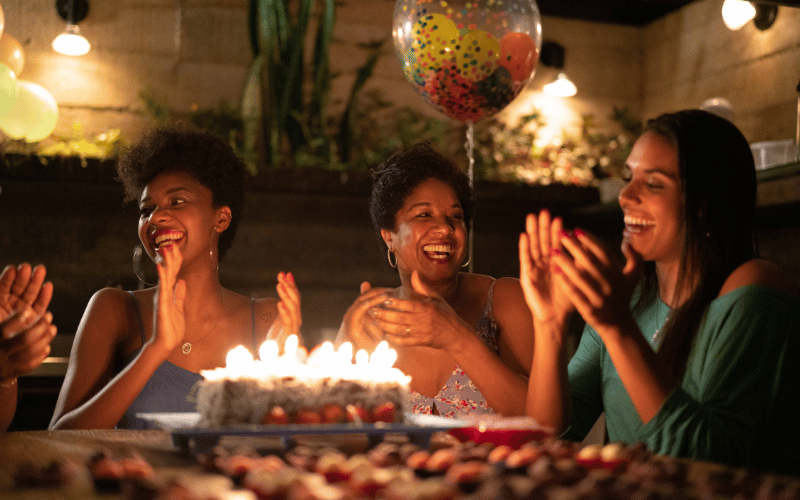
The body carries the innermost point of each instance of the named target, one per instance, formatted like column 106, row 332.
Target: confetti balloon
column 468, row 58
column 11, row 53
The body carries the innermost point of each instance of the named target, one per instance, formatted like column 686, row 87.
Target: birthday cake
column 326, row 388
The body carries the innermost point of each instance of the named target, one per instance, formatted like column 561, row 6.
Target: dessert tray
column 189, row 438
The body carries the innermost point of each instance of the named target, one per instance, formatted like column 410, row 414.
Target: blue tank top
column 169, row 389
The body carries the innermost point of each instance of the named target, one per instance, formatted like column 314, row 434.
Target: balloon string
column 470, row 146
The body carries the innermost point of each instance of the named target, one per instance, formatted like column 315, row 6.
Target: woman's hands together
column 26, row 328
column 170, row 327
column 289, row 313
column 425, row 319
column 597, row 285
column 357, row 326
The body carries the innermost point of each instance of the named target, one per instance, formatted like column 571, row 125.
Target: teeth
column 167, row 237
column 437, row 248
column 635, row 221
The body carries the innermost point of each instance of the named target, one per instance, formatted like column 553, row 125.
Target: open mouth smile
column 438, row 253
column 162, row 239
column 636, row 225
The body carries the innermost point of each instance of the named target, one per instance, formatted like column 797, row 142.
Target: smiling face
column 652, row 200
column 429, row 233
column 175, row 209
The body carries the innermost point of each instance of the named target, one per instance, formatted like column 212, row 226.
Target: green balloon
column 9, row 89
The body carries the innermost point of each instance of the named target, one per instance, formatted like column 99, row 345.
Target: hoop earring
column 138, row 267
column 465, row 264
column 389, row 256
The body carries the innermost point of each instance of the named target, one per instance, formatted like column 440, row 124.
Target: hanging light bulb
column 552, row 54
column 736, row 13
column 561, row 87
column 71, row 42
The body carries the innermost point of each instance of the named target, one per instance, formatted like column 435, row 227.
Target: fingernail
column 555, row 251
column 564, row 233
column 555, row 269
column 48, row 316
column 579, row 232
column 291, row 277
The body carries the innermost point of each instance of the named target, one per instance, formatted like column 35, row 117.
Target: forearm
column 503, row 388
column 637, row 366
column 8, row 403
column 548, row 400
column 107, row 406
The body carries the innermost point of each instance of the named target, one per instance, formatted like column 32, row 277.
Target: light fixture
column 736, row 13
column 71, row 42
column 552, row 55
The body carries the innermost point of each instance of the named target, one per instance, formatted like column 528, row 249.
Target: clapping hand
column 170, row 325
column 289, row 313
column 358, row 326
column 26, row 328
column 599, row 286
column 539, row 274
column 425, row 319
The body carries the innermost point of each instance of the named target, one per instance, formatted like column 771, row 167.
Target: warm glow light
column 71, row 42
column 238, row 356
column 268, row 351
column 362, row 358
column 736, row 13
column 345, row 353
column 561, row 87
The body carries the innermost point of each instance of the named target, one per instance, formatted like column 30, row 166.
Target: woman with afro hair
column 142, row 351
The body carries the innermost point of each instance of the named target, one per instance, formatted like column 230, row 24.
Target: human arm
column 357, row 326
column 548, row 399
column 26, row 330
column 92, row 396
column 601, row 290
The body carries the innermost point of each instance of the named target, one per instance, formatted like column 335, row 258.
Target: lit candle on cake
column 292, row 387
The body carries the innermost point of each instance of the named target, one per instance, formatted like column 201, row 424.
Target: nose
column 628, row 194
column 444, row 224
column 159, row 215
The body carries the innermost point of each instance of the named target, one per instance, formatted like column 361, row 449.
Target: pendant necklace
column 186, row 348
column 656, row 338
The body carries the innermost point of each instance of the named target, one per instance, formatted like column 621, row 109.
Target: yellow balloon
column 9, row 89
column 33, row 116
column 477, row 54
column 434, row 36
column 11, row 53
column 2, row 19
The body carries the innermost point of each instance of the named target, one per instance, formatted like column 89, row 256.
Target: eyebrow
column 427, row 204
column 169, row 191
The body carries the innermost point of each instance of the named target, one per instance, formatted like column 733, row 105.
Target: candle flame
column 238, row 356
column 268, row 351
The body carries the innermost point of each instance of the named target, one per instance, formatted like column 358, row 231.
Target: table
column 169, row 461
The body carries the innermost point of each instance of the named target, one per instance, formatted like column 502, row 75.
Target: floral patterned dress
column 459, row 396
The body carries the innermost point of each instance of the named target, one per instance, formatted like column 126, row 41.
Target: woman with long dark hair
column 690, row 344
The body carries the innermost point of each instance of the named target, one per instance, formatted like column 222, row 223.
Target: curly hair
column 395, row 179
column 204, row 156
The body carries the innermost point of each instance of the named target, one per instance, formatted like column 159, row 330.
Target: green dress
column 739, row 400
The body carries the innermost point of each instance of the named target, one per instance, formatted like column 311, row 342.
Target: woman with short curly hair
column 465, row 339
column 142, row 351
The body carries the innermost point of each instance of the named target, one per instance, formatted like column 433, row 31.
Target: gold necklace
column 186, row 348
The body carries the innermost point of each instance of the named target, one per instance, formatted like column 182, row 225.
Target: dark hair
column 204, row 156
column 395, row 178
column 718, row 181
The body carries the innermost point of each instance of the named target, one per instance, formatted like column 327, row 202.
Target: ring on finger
column 408, row 330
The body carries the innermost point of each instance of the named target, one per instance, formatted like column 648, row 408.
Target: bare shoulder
column 109, row 317
column 760, row 272
column 110, row 303
column 266, row 311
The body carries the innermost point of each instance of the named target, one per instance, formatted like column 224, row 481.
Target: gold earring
column 389, row 255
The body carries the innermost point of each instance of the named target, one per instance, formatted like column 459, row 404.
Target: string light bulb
column 736, row 13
